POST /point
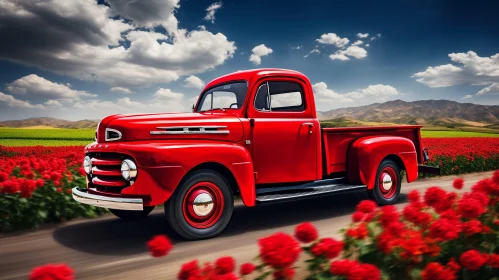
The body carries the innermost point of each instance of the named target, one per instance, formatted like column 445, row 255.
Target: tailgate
column 336, row 142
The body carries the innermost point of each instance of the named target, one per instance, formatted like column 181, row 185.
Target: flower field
column 35, row 186
column 463, row 155
column 35, row 181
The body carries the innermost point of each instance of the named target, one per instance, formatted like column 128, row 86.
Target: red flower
column 413, row 214
column 364, row 271
column 433, row 195
column 52, row 272
column 366, row 206
column 472, row 205
column 357, row 216
column 306, row 232
column 279, row 250
column 3, row 176
column 453, row 266
column 493, row 258
column 342, row 267
column 284, row 274
column 389, row 215
column 159, row 246
column 444, row 229
column 328, row 247
column 247, row 268
column 436, row 271
column 59, row 189
column 358, row 233
column 472, row 260
column 458, row 183
column 189, row 271
column 225, row 265
column 472, row 227
column 414, row 197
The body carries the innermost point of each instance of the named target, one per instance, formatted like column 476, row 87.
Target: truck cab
column 254, row 134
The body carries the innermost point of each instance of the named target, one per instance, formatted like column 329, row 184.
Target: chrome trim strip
column 192, row 126
column 189, row 132
column 112, row 139
column 82, row 196
column 174, row 130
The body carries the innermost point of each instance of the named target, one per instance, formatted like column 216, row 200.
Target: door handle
column 310, row 125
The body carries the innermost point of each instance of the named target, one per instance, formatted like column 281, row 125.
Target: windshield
column 228, row 96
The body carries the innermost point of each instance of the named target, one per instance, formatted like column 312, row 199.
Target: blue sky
column 88, row 59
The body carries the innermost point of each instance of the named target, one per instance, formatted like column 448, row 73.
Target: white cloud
column 367, row 45
column 493, row 89
column 121, row 90
column 471, row 69
column 98, row 46
column 33, row 85
column 193, row 82
column 258, row 52
column 311, row 52
column 53, row 104
column 327, row 99
column 167, row 94
column 10, row 101
column 358, row 43
column 376, row 37
column 211, row 10
column 468, row 96
column 333, row 39
column 149, row 13
column 296, row 47
column 362, row 35
column 352, row 51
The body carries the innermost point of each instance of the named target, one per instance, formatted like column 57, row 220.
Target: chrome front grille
column 106, row 173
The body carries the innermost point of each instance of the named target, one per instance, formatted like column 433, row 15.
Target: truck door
column 283, row 132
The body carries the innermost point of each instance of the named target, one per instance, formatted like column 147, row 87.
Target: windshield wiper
column 223, row 110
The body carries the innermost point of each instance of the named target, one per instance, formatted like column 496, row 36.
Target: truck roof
column 255, row 74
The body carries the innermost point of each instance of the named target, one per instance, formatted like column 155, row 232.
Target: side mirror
column 193, row 108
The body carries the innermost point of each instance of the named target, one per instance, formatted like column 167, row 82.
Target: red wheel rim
column 388, row 182
column 203, row 205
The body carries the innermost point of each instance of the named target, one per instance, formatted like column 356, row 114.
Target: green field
column 81, row 137
column 46, row 137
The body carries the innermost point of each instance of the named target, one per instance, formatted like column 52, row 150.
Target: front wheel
column 202, row 205
column 388, row 183
column 132, row 215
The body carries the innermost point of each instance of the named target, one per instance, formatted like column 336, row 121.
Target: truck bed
column 336, row 142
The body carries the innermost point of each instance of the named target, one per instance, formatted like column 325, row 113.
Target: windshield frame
column 203, row 95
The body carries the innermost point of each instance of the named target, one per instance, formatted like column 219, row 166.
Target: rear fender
column 367, row 153
column 166, row 164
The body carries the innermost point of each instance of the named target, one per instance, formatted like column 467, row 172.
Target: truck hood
column 207, row 126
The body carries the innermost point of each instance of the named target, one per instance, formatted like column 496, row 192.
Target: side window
column 262, row 101
column 280, row 97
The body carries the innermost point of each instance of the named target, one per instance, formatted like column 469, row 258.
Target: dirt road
column 107, row 248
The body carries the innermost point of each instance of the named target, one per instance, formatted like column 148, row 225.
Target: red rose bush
column 438, row 235
column 36, row 183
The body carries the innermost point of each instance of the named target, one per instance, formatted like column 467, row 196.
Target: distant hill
column 426, row 112
column 50, row 122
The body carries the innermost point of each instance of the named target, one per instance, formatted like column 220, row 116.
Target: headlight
column 128, row 170
column 87, row 164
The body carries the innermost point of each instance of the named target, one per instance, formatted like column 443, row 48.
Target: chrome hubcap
column 387, row 182
column 203, row 204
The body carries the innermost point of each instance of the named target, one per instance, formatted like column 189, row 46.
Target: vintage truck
column 253, row 134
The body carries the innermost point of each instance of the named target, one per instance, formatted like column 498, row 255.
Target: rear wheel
column 132, row 215
column 388, row 183
column 202, row 205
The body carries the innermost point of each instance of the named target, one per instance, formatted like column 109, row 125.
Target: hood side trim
column 176, row 130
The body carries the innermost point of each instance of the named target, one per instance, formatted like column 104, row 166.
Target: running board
column 304, row 191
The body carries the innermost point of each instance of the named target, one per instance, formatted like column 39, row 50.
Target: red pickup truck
column 253, row 134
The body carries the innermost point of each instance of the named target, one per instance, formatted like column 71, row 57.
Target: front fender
column 366, row 154
column 166, row 163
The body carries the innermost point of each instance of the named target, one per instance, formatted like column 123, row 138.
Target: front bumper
column 82, row 196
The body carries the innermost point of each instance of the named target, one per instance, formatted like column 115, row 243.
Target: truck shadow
column 111, row 236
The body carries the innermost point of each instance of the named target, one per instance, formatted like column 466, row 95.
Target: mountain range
column 439, row 113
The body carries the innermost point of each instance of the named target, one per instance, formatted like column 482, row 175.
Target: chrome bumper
column 82, row 196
